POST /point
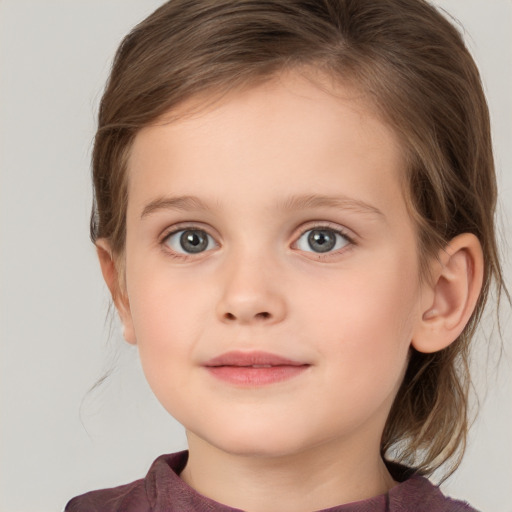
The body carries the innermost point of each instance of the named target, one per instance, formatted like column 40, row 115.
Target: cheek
column 163, row 303
column 380, row 297
column 166, row 332
column 165, row 313
column 365, row 320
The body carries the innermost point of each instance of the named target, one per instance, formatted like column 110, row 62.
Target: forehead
column 291, row 133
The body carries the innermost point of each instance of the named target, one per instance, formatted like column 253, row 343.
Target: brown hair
column 412, row 64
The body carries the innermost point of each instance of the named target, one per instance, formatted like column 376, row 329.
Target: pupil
column 321, row 240
column 194, row 241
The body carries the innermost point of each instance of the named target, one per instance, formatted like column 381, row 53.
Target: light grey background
column 56, row 440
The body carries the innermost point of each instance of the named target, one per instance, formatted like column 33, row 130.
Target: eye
column 190, row 241
column 322, row 240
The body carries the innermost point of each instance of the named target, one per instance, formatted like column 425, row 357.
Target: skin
column 351, row 314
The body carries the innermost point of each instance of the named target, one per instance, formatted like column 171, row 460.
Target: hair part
column 411, row 65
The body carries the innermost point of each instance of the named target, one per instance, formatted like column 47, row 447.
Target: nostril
column 263, row 315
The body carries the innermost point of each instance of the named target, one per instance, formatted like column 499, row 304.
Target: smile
column 253, row 368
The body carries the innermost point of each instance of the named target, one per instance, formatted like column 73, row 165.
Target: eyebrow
column 292, row 203
column 318, row 201
column 180, row 203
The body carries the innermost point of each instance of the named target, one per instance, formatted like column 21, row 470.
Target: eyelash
column 316, row 226
column 327, row 226
column 178, row 229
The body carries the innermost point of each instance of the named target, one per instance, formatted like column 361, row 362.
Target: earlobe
column 453, row 294
column 110, row 272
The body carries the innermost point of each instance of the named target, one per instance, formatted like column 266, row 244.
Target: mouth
column 254, row 368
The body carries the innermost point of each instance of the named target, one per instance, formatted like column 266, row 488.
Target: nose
column 252, row 293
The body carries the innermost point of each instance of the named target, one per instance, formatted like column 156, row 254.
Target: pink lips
column 253, row 368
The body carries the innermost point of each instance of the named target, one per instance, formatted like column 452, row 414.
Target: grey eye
column 321, row 240
column 190, row 241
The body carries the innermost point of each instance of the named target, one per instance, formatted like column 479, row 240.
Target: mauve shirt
column 164, row 491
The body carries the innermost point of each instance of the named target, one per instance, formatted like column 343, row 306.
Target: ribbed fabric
column 164, row 491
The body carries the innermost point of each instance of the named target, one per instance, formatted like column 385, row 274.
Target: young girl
column 294, row 213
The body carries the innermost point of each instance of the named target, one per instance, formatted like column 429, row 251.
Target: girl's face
column 271, row 230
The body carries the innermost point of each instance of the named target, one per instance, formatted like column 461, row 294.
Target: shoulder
column 126, row 498
column 419, row 494
column 139, row 496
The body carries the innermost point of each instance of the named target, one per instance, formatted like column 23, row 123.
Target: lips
column 253, row 368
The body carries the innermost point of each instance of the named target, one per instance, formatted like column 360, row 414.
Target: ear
column 451, row 296
column 113, row 279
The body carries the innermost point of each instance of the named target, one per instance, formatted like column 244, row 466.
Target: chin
column 270, row 441
column 258, row 449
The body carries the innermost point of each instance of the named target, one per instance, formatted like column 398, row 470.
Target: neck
column 321, row 477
